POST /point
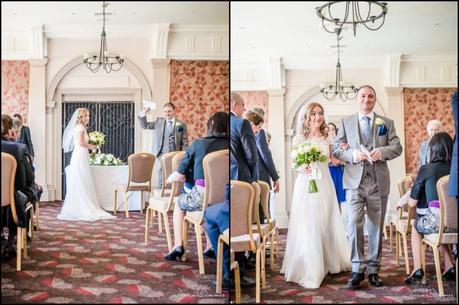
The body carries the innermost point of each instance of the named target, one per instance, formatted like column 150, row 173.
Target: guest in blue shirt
column 336, row 167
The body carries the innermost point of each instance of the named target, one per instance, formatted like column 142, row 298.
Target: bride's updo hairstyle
column 81, row 113
column 305, row 128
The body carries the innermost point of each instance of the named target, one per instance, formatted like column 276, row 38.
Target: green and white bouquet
column 104, row 160
column 306, row 154
column 96, row 138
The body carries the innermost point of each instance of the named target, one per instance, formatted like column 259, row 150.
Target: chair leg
column 405, row 249
column 219, row 266
column 257, row 279
column 385, row 231
column 438, row 271
column 197, row 229
column 277, row 244
column 31, row 222
column 141, row 202
column 116, row 202
column 271, row 251
column 167, row 229
column 160, row 227
column 19, row 249
column 263, row 263
column 237, row 278
column 125, row 204
column 37, row 216
column 390, row 237
column 147, row 224
column 184, row 239
column 423, row 262
column 397, row 249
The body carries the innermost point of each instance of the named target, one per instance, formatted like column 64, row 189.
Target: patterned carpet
column 333, row 289
column 105, row 262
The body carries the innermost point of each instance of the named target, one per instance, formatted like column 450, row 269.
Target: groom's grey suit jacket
column 179, row 136
column 388, row 143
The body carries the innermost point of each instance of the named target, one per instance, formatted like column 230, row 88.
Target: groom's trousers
column 366, row 196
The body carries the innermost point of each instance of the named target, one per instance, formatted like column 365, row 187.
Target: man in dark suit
column 23, row 181
column 170, row 135
column 452, row 190
column 244, row 158
column 24, row 134
column 244, row 154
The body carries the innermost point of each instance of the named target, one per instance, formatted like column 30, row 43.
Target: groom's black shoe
column 374, row 280
column 355, row 279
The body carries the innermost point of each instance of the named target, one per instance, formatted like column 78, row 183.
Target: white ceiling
column 22, row 14
column 293, row 31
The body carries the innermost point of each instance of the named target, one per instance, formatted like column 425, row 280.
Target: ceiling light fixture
column 352, row 14
column 109, row 63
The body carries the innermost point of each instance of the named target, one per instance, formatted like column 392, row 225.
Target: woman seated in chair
column 423, row 192
column 216, row 139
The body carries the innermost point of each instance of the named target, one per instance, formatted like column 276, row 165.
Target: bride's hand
column 306, row 169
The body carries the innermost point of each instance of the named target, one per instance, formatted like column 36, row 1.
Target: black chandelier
column 109, row 63
column 340, row 88
column 374, row 19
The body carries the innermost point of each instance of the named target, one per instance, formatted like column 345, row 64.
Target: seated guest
column 24, row 179
column 423, row 192
column 433, row 127
column 217, row 221
column 216, row 139
column 24, row 136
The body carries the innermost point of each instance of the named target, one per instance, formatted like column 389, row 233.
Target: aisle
column 333, row 289
column 104, row 262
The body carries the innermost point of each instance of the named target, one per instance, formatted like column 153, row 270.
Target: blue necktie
column 169, row 126
column 366, row 127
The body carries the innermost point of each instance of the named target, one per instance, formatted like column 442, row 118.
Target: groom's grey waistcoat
column 388, row 144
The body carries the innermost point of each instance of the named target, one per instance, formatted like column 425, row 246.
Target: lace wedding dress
column 316, row 240
column 81, row 201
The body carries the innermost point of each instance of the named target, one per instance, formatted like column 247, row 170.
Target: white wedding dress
column 81, row 201
column 316, row 240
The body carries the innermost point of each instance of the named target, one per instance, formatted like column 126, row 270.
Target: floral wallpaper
column 198, row 89
column 422, row 105
column 15, row 87
column 258, row 99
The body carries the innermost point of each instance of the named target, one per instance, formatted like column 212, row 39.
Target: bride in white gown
column 81, row 201
column 316, row 240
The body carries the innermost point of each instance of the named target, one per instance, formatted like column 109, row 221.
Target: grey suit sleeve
column 184, row 143
column 144, row 124
column 393, row 149
column 339, row 153
column 266, row 155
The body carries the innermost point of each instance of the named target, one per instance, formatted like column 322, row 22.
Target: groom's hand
column 146, row 110
column 360, row 156
column 375, row 155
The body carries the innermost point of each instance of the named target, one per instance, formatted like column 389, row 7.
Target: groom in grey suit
column 170, row 135
column 367, row 184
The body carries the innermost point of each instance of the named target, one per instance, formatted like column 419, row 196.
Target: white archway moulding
column 129, row 65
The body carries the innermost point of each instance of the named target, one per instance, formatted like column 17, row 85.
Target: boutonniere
column 179, row 127
column 382, row 129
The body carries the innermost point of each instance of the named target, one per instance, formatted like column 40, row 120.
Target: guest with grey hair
column 433, row 127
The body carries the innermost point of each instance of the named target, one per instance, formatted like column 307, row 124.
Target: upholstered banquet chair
column 448, row 218
column 9, row 166
column 242, row 237
column 216, row 175
column 397, row 215
column 164, row 204
column 139, row 179
column 262, row 229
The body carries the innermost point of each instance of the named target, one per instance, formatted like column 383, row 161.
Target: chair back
column 242, row 194
column 166, row 165
column 216, row 175
column 177, row 186
column 402, row 184
column 9, row 166
column 256, row 203
column 141, row 167
column 264, row 199
column 448, row 205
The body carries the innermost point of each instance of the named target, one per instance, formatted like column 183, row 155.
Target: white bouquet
column 104, row 160
column 306, row 154
column 97, row 138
